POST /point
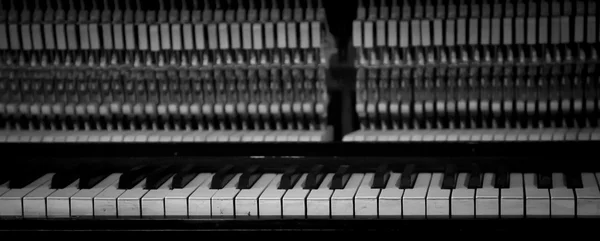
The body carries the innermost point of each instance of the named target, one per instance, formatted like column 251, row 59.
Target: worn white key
column 487, row 198
column 246, row 202
column 105, row 203
column 438, row 199
column 82, row 202
column 538, row 200
column 153, row 202
column 57, row 203
column 365, row 201
column 342, row 200
column 294, row 200
column 390, row 198
column 414, row 203
column 318, row 202
column 223, row 202
column 512, row 202
column 129, row 204
column 11, row 202
column 271, row 199
column 199, row 202
column 34, row 202
column 462, row 200
column 176, row 201
column 588, row 197
column 562, row 199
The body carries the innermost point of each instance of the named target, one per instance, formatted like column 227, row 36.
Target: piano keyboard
column 200, row 71
column 317, row 193
column 438, row 70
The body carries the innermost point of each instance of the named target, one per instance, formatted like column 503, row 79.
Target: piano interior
column 299, row 114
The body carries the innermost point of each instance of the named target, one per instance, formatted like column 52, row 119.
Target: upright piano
column 421, row 115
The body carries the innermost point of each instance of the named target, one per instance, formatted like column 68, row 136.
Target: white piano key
column 82, row 202
column 512, row 202
column 342, row 200
column 538, row 200
column 294, row 200
column 199, row 202
column 58, row 203
column 176, row 201
column 588, row 197
column 318, row 202
column 11, row 202
column 390, row 198
column 246, row 202
column 438, row 199
column 34, row 203
column 365, row 201
column 414, row 203
column 562, row 199
column 270, row 202
column 105, row 203
column 462, row 202
column 223, row 202
column 153, row 202
column 129, row 204
column 487, row 198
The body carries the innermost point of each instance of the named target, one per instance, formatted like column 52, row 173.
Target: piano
column 420, row 115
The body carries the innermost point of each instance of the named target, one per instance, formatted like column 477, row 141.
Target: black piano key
column 449, row 181
column 573, row 180
column 340, row 178
column 475, row 178
column 381, row 177
column 502, row 179
column 185, row 176
column 90, row 180
column 63, row 179
column 408, row 178
column 134, row 176
column 25, row 175
column 314, row 177
column 222, row 177
column 249, row 177
column 159, row 176
column 544, row 180
column 290, row 177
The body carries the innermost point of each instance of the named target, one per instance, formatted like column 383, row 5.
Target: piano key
column 222, row 177
column 34, row 203
column 380, row 177
column 270, row 202
column 512, row 201
column 290, row 177
column 390, row 198
column 315, row 177
column 129, row 203
column 134, row 176
column 588, row 197
column 199, row 202
column 408, row 177
column 342, row 200
column 153, row 202
column 414, row 203
column 438, row 198
column 249, row 177
column 176, row 201
column 340, row 178
column 247, row 200
column 223, row 201
column 158, row 177
column 487, row 198
column 294, row 200
column 318, row 202
column 82, row 202
column 462, row 199
column 11, row 202
column 538, row 199
column 562, row 199
column 366, row 199
column 58, row 203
